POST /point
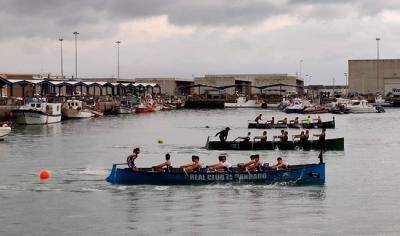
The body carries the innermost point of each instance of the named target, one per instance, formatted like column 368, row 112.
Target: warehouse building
column 374, row 76
column 250, row 84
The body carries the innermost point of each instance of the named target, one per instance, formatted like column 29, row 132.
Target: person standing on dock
column 130, row 160
column 258, row 118
column 223, row 134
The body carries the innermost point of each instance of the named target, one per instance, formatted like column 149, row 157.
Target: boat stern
column 112, row 177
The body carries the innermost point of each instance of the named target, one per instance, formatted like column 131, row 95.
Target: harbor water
column 360, row 195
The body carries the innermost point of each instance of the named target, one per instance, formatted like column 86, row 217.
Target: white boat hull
column 75, row 114
column 32, row 117
column 4, row 132
column 124, row 110
column 248, row 104
column 363, row 110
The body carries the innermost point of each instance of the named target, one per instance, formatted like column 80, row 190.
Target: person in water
column 262, row 138
column 195, row 165
column 253, row 164
column 222, row 166
column 321, row 136
column 258, row 118
column 245, row 139
column 163, row 166
column 130, row 160
column 280, row 164
column 283, row 122
column 223, row 134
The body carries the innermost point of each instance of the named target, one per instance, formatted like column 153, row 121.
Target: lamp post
column 118, row 43
column 345, row 76
column 76, row 54
column 62, row 64
column 377, row 64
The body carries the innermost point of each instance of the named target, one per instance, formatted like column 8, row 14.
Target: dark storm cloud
column 44, row 18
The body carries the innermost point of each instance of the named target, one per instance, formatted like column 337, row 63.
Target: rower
column 244, row 139
column 283, row 122
column 295, row 121
column 272, row 121
column 306, row 136
column 280, row 164
column 321, row 136
column 262, row 138
column 223, row 134
column 285, row 137
column 166, row 164
column 130, row 160
column 195, row 165
column 318, row 120
column 258, row 118
column 279, row 136
column 222, row 166
column 299, row 136
column 253, row 165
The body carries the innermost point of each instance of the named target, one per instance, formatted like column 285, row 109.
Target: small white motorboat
column 73, row 109
column 361, row 106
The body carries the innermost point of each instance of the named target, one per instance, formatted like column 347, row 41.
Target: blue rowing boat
column 296, row 174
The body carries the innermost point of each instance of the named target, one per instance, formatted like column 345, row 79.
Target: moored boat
column 325, row 124
column 5, row 130
column 336, row 144
column 73, row 109
column 362, row 106
column 243, row 102
column 38, row 111
column 148, row 105
column 295, row 174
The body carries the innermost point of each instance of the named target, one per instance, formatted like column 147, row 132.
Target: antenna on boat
column 321, row 159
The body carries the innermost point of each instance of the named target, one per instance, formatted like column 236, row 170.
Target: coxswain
column 283, row 122
column 223, row 134
column 280, row 164
column 245, row 139
column 222, row 166
column 130, row 160
column 163, row 167
column 195, row 165
column 262, row 138
column 321, row 136
column 308, row 120
column 258, row 118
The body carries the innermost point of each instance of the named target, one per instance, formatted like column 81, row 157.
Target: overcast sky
column 182, row 38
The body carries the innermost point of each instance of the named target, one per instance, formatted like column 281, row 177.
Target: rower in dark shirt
column 245, row 139
column 272, row 121
column 262, row 138
column 321, row 136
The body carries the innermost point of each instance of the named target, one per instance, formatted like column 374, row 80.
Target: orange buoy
column 44, row 174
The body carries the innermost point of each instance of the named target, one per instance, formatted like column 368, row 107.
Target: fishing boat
column 315, row 109
column 73, row 109
column 5, row 130
column 127, row 106
column 295, row 174
column 148, row 105
column 336, row 144
column 38, row 111
column 243, row 102
column 325, row 124
column 379, row 101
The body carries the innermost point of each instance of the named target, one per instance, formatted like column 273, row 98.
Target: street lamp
column 377, row 64
column 345, row 76
column 62, row 65
column 76, row 54
column 300, row 65
column 118, row 43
